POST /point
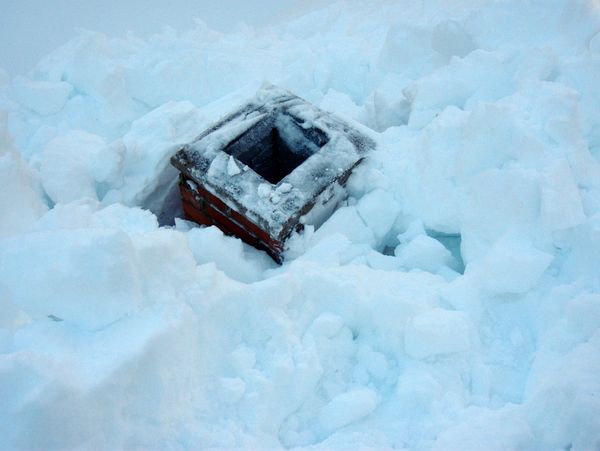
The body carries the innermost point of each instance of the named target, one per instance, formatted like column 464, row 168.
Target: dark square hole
column 276, row 145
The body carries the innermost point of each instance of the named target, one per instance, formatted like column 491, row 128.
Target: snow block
column 388, row 106
column 512, row 266
column 424, row 253
column 348, row 222
column 210, row 245
column 561, row 205
column 75, row 163
column 583, row 314
column 347, row 408
column 43, row 97
column 379, row 210
column 436, row 332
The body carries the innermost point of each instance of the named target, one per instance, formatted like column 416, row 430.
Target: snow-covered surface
column 453, row 303
column 276, row 207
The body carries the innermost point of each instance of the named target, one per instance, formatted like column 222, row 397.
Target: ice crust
column 453, row 302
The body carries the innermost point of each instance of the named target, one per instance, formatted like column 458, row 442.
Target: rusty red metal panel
column 204, row 208
column 241, row 219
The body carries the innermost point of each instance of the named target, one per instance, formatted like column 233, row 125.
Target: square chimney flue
column 274, row 165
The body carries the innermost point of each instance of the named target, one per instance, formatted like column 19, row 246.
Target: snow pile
column 452, row 303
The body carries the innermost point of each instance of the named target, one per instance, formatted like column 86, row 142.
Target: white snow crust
column 453, row 302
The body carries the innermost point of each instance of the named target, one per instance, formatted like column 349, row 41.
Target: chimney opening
column 276, row 146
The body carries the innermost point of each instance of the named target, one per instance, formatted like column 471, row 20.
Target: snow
column 43, row 97
column 91, row 274
column 264, row 190
column 230, row 255
column 232, row 167
column 451, row 302
column 436, row 332
column 20, row 198
column 426, row 253
column 149, row 143
column 512, row 265
column 348, row 408
column 561, row 205
column 379, row 210
column 75, row 163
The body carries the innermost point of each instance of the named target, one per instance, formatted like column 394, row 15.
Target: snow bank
column 85, row 270
column 451, row 303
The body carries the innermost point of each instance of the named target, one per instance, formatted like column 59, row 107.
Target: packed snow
column 452, row 302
